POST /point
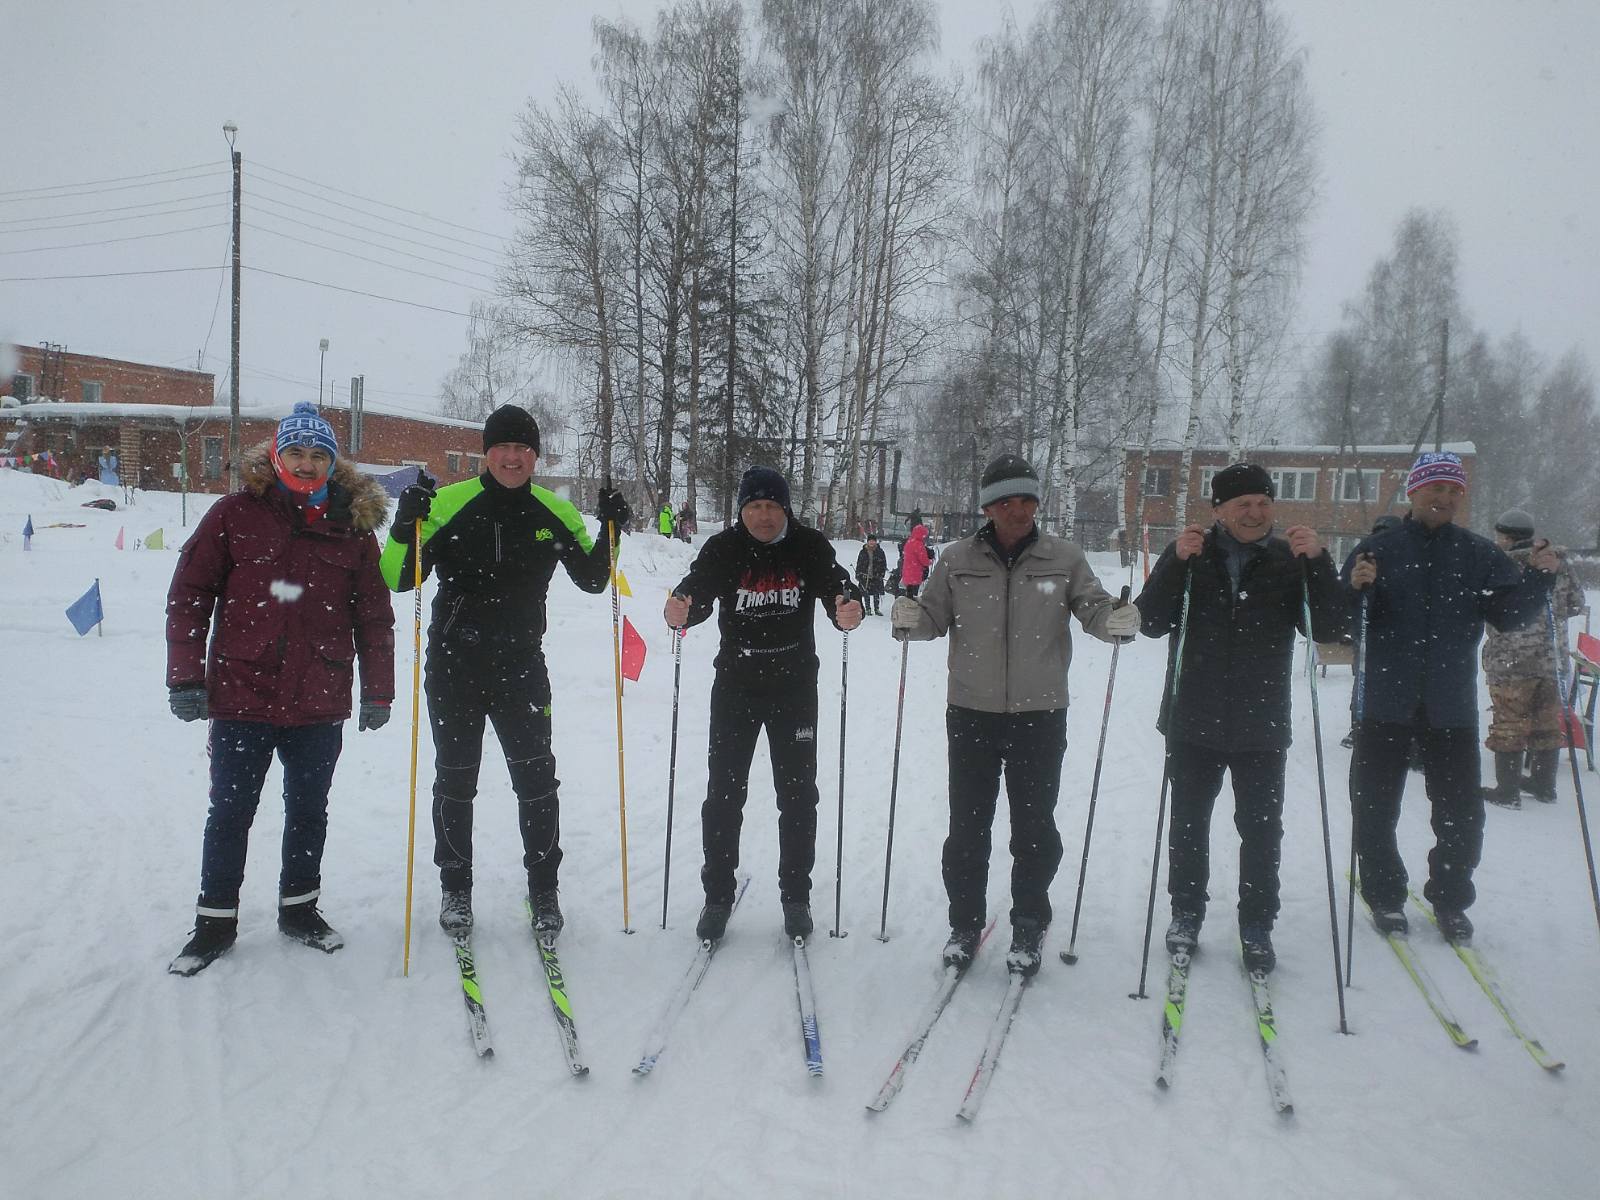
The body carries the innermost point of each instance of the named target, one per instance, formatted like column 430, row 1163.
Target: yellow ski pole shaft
column 416, row 722
column 616, row 663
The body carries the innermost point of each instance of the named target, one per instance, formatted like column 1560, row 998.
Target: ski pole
column 616, row 663
column 1166, row 780
column 1568, row 722
column 1322, row 782
column 894, row 785
column 1069, row 955
column 838, row 860
column 1360, row 715
column 672, row 767
column 416, row 722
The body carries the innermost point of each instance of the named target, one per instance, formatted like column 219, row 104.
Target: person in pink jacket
column 915, row 560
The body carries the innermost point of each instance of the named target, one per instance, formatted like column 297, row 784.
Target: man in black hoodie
column 769, row 572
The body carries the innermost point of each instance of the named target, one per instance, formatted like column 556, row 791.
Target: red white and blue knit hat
column 1436, row 466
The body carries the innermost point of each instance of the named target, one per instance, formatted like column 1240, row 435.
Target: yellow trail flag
column 622, row 585
column 155, row 541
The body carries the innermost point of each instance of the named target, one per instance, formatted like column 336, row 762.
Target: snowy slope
column 281, row 1072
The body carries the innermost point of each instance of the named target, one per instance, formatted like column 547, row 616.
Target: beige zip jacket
column 1010, row 642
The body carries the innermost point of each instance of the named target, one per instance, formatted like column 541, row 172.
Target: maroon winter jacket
column 295, row 603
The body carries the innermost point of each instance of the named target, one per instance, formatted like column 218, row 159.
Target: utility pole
column 1444, row 366
column 231, row 131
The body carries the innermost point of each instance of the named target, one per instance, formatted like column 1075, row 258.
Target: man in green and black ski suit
column 494, row 542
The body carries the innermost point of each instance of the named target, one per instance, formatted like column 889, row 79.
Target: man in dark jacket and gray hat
column 769, row 572
column 1247, row 593
column 1430, row 585
column 1004, row 597
column 1521, row 668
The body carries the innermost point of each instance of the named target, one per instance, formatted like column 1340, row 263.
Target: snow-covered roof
column 185, row 414
column 1393, row 448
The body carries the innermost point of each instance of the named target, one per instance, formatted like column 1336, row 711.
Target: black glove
column 415, row 503
column 374, row 715
column 188, row 702
column 613, row 507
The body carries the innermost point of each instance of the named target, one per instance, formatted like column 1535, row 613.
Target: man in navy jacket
column 1429, row 586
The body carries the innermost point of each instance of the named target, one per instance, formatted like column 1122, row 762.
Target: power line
column 334, row 287
column 393, row 237
column 384, row 203
column 376, row 216
column 53, row 187
column 376, row 261
column 117, row 275
column 121, row 188
column 380, row 246
column 94, row 212
column 136, row 237
column 176, row 212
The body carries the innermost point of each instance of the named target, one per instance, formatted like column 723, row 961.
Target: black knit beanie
column 763, row 483
column 511, row 424
column 1241, row 479
column 1009, row 475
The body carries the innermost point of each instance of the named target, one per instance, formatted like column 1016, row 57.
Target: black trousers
column 1451, row 771
column 468, row 686
column 1028, row 748
column 1196, row 774
column 738, row 715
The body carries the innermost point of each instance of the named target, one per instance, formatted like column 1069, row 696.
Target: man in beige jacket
column 1004, row 596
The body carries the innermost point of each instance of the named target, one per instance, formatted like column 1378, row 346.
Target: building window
column 475, row 463
column 93, row 391
column 1158, row 481
column 452, row 462
column 22, row 387
column 1207, row 474
column 1296, row 483
column 211, row 457
column 1355, row 486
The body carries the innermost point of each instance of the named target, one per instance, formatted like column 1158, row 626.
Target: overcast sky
column 1487, row 108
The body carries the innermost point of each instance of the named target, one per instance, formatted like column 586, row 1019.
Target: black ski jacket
column 871, row 566
column 1238, row 652
column 768, row 591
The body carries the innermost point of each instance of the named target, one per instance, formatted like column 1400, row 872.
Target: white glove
column 1123, row 622
column 905, row 614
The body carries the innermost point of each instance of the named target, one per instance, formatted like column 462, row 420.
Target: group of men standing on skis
column 1230, row 595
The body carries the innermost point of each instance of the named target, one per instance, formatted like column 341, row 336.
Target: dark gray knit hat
column 510, row 424
column 1009, row 475
column 1515, row 523
column 1241, row 479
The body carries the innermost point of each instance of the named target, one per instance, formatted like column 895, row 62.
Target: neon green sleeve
column 396, row 564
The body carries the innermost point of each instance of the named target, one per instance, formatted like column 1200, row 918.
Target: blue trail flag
column 27, row 534
column 85, row 612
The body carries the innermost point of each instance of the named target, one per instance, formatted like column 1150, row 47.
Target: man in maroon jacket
column 289, row 565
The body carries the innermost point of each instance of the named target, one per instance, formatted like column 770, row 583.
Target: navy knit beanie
column 510, row 424
column 763, row 483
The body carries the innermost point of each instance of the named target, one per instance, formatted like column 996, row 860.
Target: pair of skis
column 1172, row 1012
column 999, row 1029
column 555, row 985
column 1480, row 971
column 689, row 983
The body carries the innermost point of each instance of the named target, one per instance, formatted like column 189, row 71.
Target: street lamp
column 323, row 346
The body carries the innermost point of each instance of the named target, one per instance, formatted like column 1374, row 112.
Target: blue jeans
column 241, row 752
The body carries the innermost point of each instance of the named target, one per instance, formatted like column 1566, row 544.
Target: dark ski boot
column 1256, row 943
column 300, row 921
column 1183, row 935
column 213, row 937
column 1541, row 780
column 455, row 911
column 1390, row 921
column 797, row 919
column 1027, row 944
column 963, row 944
column 1506, row 791
column 1454, row 924
column 546, row 907
column 713, row 922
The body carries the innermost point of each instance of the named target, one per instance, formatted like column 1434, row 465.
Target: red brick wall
column 121, row 382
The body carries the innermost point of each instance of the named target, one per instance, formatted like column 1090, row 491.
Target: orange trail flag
column 632, row 651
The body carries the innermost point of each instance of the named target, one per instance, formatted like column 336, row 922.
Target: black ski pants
column 468, row 686
column 1195, row 774
column 241, row 752
column 1027, row 748
column 738, row 715
column 1451, row 773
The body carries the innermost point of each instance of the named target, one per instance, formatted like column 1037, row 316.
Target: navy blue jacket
column 1434, row 591
column 1238, row 650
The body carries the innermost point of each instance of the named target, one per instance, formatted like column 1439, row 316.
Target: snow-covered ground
column 282, row 1072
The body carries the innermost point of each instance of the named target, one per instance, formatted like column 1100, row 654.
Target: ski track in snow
column 283, row 1072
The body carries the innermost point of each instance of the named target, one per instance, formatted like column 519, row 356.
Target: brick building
column 1336, row 491
column 166, row 424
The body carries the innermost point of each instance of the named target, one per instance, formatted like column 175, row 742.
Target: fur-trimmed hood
column 367, row 501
